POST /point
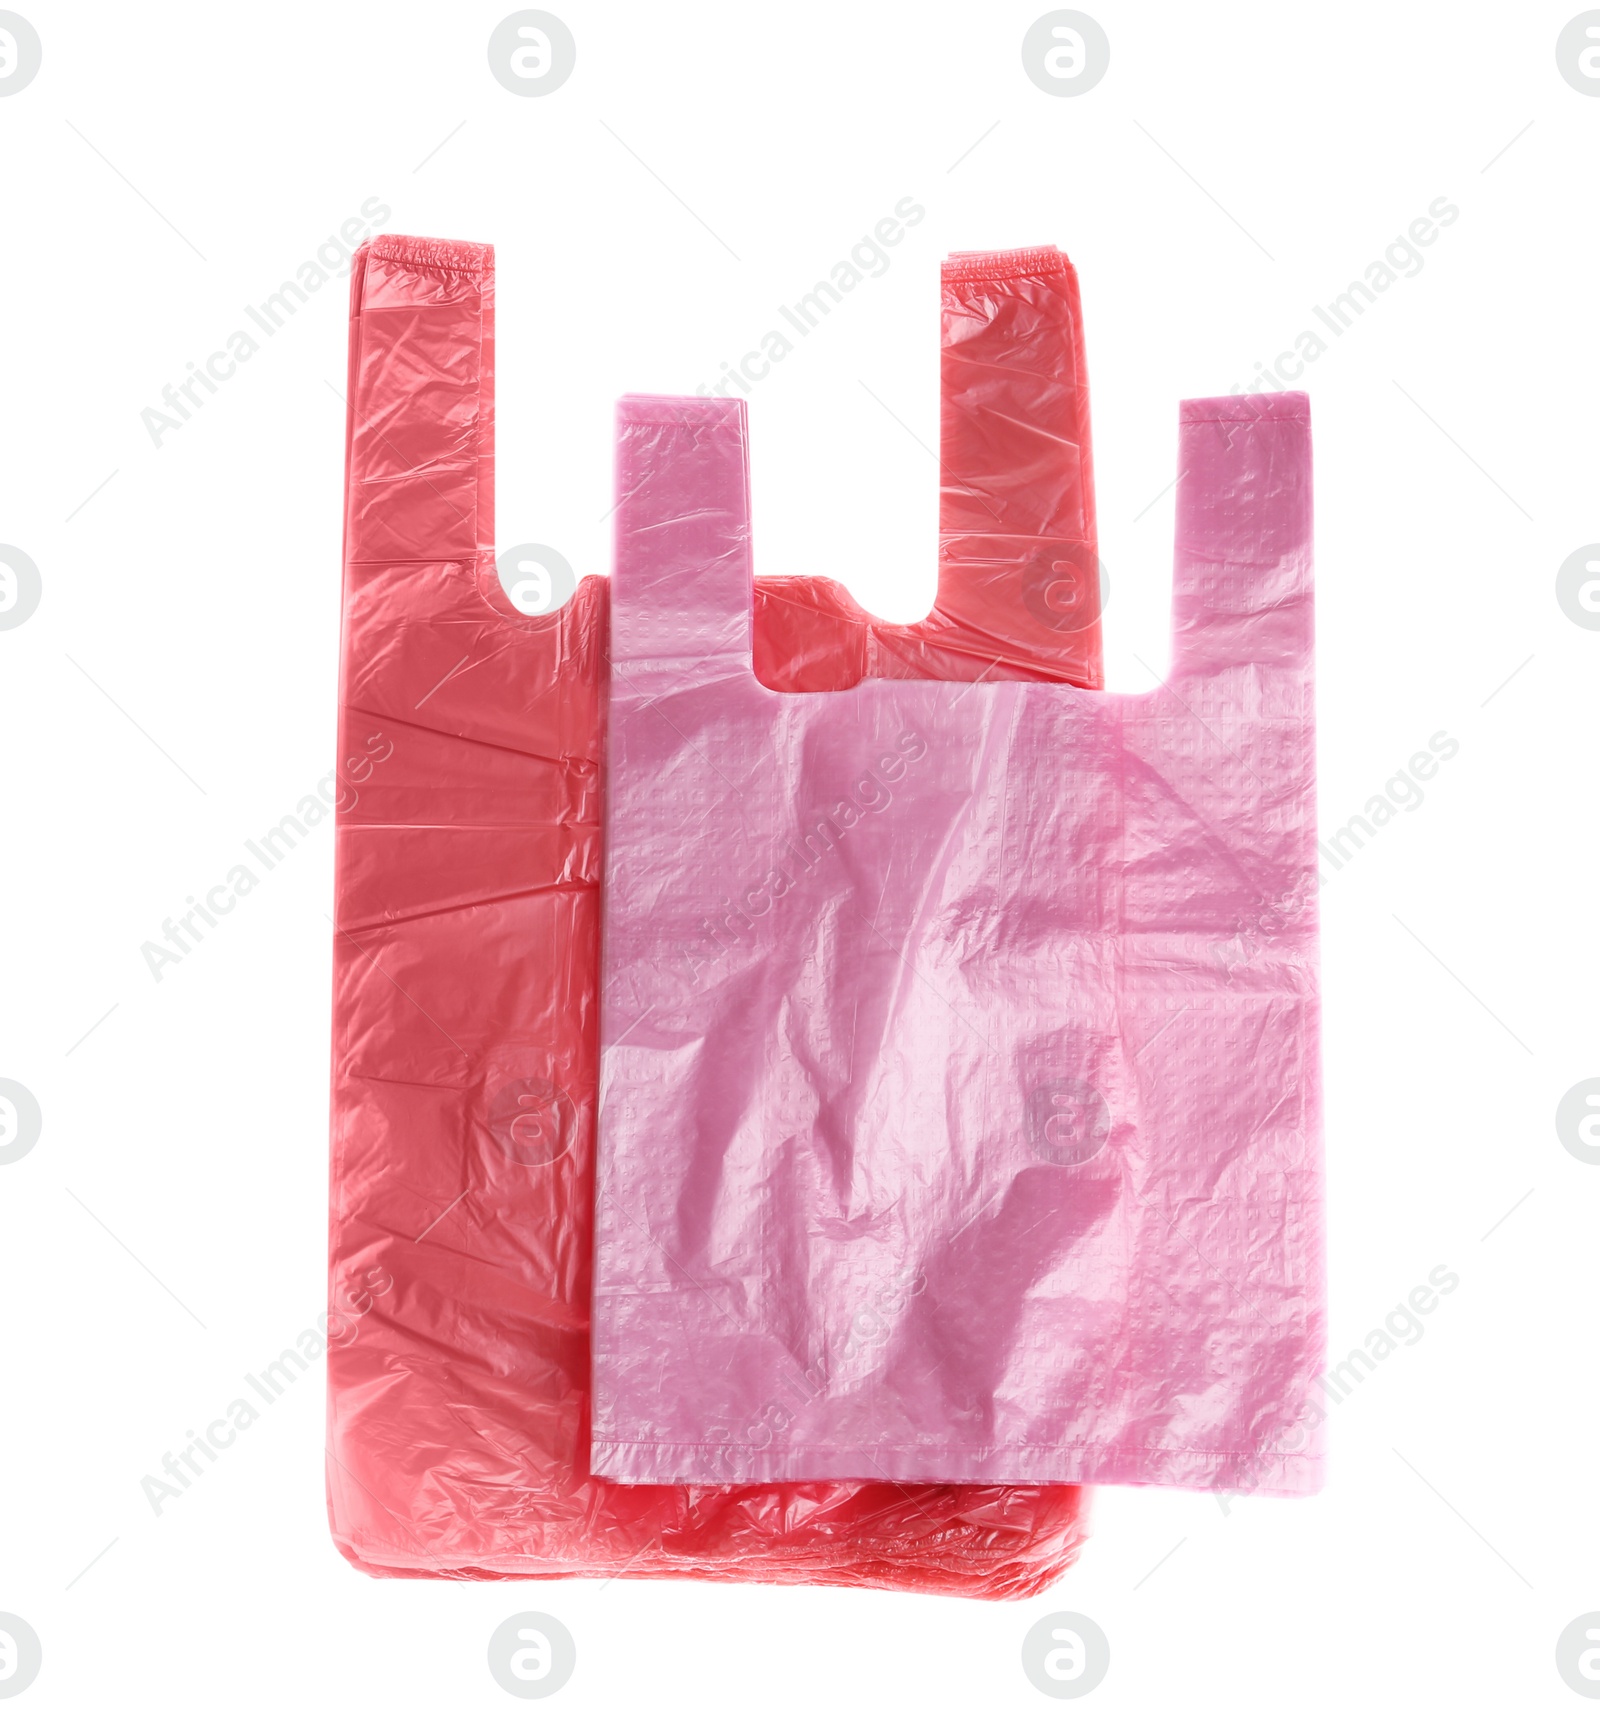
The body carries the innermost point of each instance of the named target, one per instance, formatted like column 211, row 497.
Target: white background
column 1238, row 164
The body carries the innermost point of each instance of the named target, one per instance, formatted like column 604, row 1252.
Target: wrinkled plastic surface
column 466, row 971
column 991, row 1005
column 1018, row 593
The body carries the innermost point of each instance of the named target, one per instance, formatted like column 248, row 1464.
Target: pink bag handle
column 1242, row 595
column 683, row 575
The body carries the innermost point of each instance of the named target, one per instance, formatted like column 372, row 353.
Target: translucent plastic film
column 467, row 988
column 1018, row 592
column 991, row 1004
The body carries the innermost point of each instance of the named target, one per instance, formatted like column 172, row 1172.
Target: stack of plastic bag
column 468, row 986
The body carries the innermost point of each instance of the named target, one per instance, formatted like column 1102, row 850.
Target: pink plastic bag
column 960, row 1101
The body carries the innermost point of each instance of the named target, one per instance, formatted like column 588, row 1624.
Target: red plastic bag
column 466, row 954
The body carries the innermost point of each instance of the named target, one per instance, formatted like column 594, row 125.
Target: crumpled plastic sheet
column 465, row 1050
column 991, row 1005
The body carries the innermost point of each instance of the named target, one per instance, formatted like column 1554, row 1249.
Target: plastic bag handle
column 420, row 482
column 1016, row 510
column 1242, row 574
